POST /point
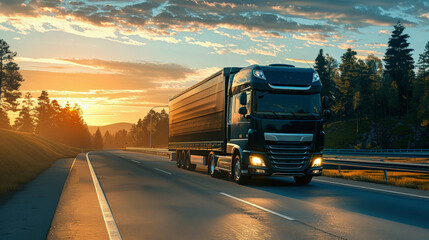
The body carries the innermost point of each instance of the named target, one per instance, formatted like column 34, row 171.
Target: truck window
column 237, row 117
column 294, row 106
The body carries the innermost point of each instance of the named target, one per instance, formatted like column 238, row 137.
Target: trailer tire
column 302, row 180
column 185, row 157
column 179, row 158
column 187, row 162
column 237, row 176
column 211, row 167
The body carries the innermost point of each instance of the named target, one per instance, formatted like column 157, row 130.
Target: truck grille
column 289, row 157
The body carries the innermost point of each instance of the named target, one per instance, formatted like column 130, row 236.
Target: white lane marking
column 259, row 207
column 112, row 228
column 162, row 171
column 135, row 161
column 369, row 188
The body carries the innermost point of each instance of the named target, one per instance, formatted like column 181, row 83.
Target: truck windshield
column 288, row 106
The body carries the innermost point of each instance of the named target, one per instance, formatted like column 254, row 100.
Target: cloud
column 252, row 61
column 368, row 51
column 128, row 21
column 300, row 60
column 206, row 44
column 384, row 32
column 314, row 37
column 375, row 45
column 148, row 70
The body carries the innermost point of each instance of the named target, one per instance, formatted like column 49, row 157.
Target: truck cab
column 275, row 122
column 257, row 120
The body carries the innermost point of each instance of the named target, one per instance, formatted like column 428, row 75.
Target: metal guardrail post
column 385, row 173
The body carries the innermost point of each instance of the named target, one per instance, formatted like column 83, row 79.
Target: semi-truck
column 251, row 121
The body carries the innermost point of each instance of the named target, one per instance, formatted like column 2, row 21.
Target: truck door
column 238, row 125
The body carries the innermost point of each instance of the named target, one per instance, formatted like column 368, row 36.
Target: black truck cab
column 275, row 121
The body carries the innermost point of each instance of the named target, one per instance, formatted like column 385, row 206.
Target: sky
column 117, row 59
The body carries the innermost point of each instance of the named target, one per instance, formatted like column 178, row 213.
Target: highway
column 151, row 198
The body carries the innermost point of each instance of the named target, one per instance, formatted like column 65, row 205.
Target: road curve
column 151, row 198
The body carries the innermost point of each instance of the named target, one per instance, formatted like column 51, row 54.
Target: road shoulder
column 78, row 214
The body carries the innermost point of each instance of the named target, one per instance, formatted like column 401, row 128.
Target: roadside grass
column 23, row 156
column 401, row 179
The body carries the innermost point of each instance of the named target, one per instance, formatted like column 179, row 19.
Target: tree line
column 365, row 88
column 140, row 133
column 379, row 90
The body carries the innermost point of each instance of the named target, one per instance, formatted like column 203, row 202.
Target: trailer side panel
column 198, row 115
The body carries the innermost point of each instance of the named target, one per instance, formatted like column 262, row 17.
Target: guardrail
column 375, row 165
column 378, row 150
column 158, row 151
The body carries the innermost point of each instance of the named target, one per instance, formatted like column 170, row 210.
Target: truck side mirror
column 326, row 115
column 242, row 110
column 243, row 98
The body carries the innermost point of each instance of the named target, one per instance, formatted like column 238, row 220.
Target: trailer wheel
column 184, row 159
column 179, row 157
column 211, row 167
column 302, row 180
column 237, row 176
column 187, row 162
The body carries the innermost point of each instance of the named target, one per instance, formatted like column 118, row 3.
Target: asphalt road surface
column 151, row 198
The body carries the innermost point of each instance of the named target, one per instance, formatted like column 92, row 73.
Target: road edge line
column 258, row 207
column 374, row 189
column 109, row 220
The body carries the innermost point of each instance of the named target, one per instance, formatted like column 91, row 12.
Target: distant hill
column 112, row 128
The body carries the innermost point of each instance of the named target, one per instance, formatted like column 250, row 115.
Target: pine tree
column 97, row 140
column 424, row 62
column 25, row 121
column 4, row 119
column 10, row 78
column 346, row 83
column 322, row 69
column 375, row 71
column 108, row 139
column 44, row 116
column 400, row 64
column 421, row 88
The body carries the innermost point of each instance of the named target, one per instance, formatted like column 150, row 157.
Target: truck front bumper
column 269, row 171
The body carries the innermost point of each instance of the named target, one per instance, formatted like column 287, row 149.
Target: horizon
column 117, row 59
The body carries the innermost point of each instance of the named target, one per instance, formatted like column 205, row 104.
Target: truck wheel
column 178, row 158
column 211, row 167
column 302, row 180
column 236, row 172
column 185, row 157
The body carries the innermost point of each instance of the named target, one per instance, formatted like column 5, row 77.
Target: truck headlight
column 257, row 161
column 316, row 77
column 259, row 74
column 317, row 162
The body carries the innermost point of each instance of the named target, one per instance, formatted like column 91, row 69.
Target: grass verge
column 401, row 179
column 23, row 156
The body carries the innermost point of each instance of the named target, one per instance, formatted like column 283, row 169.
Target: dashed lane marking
column 157, row 169
column 257, row 206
